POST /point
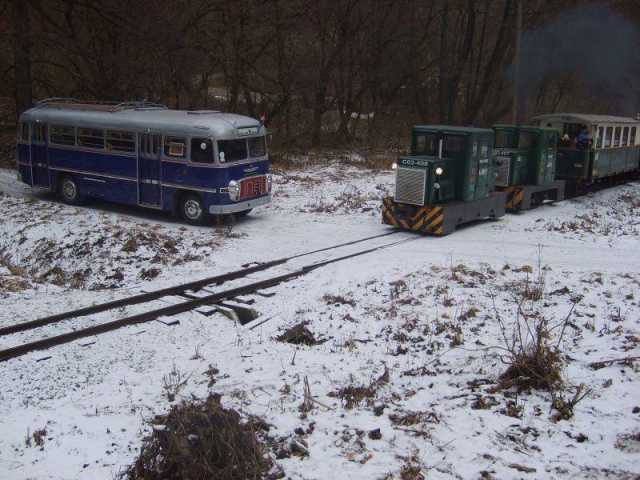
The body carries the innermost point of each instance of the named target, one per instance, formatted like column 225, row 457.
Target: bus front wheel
column 69, row 191
column 192, row 210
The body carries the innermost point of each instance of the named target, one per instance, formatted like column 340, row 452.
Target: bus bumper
column 240, row 206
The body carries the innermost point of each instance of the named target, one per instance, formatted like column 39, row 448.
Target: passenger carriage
column 612, row 153
column 193, row 163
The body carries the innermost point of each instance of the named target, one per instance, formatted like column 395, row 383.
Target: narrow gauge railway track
column 191, row 304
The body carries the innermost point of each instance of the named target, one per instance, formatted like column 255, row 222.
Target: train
column 456, row 175
column 192, row 163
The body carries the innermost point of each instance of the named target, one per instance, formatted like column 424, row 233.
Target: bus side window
column 121, row 141
column 155, row 144
column 175, row 147
column 23, row 132
column 90, row 137
column 201, row 150
column 62, row 135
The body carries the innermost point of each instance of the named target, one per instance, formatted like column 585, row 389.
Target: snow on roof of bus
column 584, row 118
column 154, row 118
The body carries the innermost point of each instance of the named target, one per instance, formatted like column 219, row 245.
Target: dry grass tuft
column 200, row 439
column 299, row 335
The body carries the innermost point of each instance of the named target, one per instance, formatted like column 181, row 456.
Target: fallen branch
column 605, row 363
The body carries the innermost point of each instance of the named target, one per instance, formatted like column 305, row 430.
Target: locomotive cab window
column 504, row 139
column 201, row 150
column 453, row 144
column 232, row 150
column 175, row 147
column 525, row 140
column 426, row 144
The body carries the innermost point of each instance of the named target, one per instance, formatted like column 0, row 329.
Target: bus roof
column 587, row 119
column 143, row 117
column 452, row 128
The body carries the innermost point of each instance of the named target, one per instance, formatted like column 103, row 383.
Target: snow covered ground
column 411, row 341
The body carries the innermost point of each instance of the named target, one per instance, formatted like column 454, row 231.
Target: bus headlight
column 234, row 190
column 439, row 171
column 269, row 182
column 394, row 166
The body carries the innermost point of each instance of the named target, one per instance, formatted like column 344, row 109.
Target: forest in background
column 326, row 73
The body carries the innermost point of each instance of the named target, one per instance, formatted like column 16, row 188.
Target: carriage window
column 426, row 144
column 233, row 150
column 525, row 140
column 201, row 150
column 453, row 144
column 632, row 136
column 92, row 138
column 607, row 137
column 175, row 147
column 625, row 136
column 600, row 137
column 62, row 135
column 616, row 136
column 155, row 144
column 25, row 132
column 121, row 141
column 257, row 147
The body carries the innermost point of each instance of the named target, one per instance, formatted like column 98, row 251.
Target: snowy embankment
column 411, row 340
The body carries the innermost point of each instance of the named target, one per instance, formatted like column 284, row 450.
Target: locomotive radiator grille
column 410, row 185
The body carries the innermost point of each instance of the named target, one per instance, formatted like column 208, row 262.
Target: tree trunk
column 22, row 56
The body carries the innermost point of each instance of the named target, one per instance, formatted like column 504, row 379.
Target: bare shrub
column 201, row 439
column 532, row 361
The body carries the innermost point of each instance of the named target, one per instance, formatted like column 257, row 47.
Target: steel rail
column 175, row 290
column 23, row 349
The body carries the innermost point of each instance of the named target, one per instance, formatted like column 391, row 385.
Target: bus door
column 39, row 155
column 149, row 190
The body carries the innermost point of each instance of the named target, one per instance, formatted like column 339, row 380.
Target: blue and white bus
column 192, row 163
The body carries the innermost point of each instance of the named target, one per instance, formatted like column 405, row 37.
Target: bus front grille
column 253, row 187
column 410, row 185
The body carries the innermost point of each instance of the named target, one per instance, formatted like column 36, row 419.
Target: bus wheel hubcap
column 69, row 190
column 192, row 209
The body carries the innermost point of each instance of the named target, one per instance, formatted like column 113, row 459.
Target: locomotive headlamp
column 394, row 166
column 439, row 171
column 234, row 190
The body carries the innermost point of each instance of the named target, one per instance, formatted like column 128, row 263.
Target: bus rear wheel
column 192, row 210
column 69, row 191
